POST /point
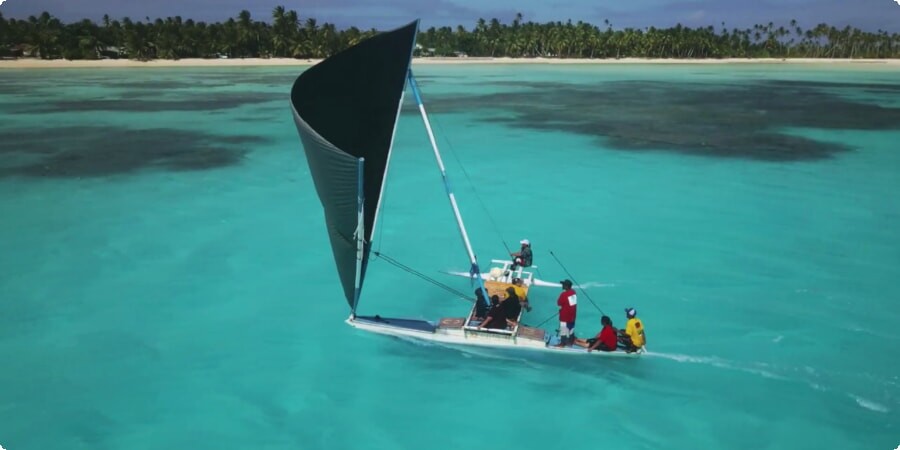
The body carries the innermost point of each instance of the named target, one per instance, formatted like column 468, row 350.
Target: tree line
column 287, row 35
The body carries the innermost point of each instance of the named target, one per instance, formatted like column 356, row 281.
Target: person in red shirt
column 605, row 340
column 568, row 308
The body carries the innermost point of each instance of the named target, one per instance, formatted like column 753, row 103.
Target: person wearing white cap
column 633, row 336
column 523, row 257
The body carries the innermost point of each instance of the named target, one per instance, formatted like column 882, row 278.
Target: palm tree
column 45, row 34
column 281, row 32
column 5, row 35
column 291, row 24
column 247, row 44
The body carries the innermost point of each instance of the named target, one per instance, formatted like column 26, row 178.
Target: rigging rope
column 384, row 192
column 380, row 217
column 421, row 275
column 471, row 184
column 545, row 320
column 576, row 283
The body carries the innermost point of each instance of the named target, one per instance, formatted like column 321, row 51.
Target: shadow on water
column 139, row 102
column 98, row 151
column 713, row 120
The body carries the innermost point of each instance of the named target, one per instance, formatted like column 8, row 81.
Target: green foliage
column 289, row 36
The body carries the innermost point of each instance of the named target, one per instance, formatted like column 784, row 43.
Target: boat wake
column 717, row 362
column 869, row 404
column 768, row 371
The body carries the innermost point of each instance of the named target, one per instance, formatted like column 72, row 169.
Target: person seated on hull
column 632, row 338
column 481, row 305
column 523, row 257
column 605, row 339
column 512, row 306
column 496, row 317
column 519, row 286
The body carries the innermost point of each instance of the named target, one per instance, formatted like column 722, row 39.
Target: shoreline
column 33, row 63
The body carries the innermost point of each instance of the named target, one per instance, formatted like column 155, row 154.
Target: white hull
column 466, row 336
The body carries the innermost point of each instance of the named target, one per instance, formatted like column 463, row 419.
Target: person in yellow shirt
column 519, row 286
column 633, row 336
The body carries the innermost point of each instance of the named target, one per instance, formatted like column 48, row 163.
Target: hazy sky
column 866, row 14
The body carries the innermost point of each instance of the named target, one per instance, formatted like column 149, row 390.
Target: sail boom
column 437, row 154
column 475, row 271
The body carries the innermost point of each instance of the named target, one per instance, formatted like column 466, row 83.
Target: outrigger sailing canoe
column 346, row 110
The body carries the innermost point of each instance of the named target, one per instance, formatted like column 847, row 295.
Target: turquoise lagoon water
column 167, row 282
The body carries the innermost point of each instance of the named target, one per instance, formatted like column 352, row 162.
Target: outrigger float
column 346, row 110
column 501, row 271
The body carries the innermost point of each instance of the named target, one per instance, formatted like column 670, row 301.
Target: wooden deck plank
column 498, row 288
column 452, row 322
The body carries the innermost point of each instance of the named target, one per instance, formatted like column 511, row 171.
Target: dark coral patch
column 97, row 151
column 717, row 120
column 138, row 102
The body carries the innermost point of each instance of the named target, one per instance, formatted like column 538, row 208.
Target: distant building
column 12, row 51
column 422, row 51
column 109, row 52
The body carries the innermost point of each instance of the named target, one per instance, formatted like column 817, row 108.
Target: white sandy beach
column 32, row 63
